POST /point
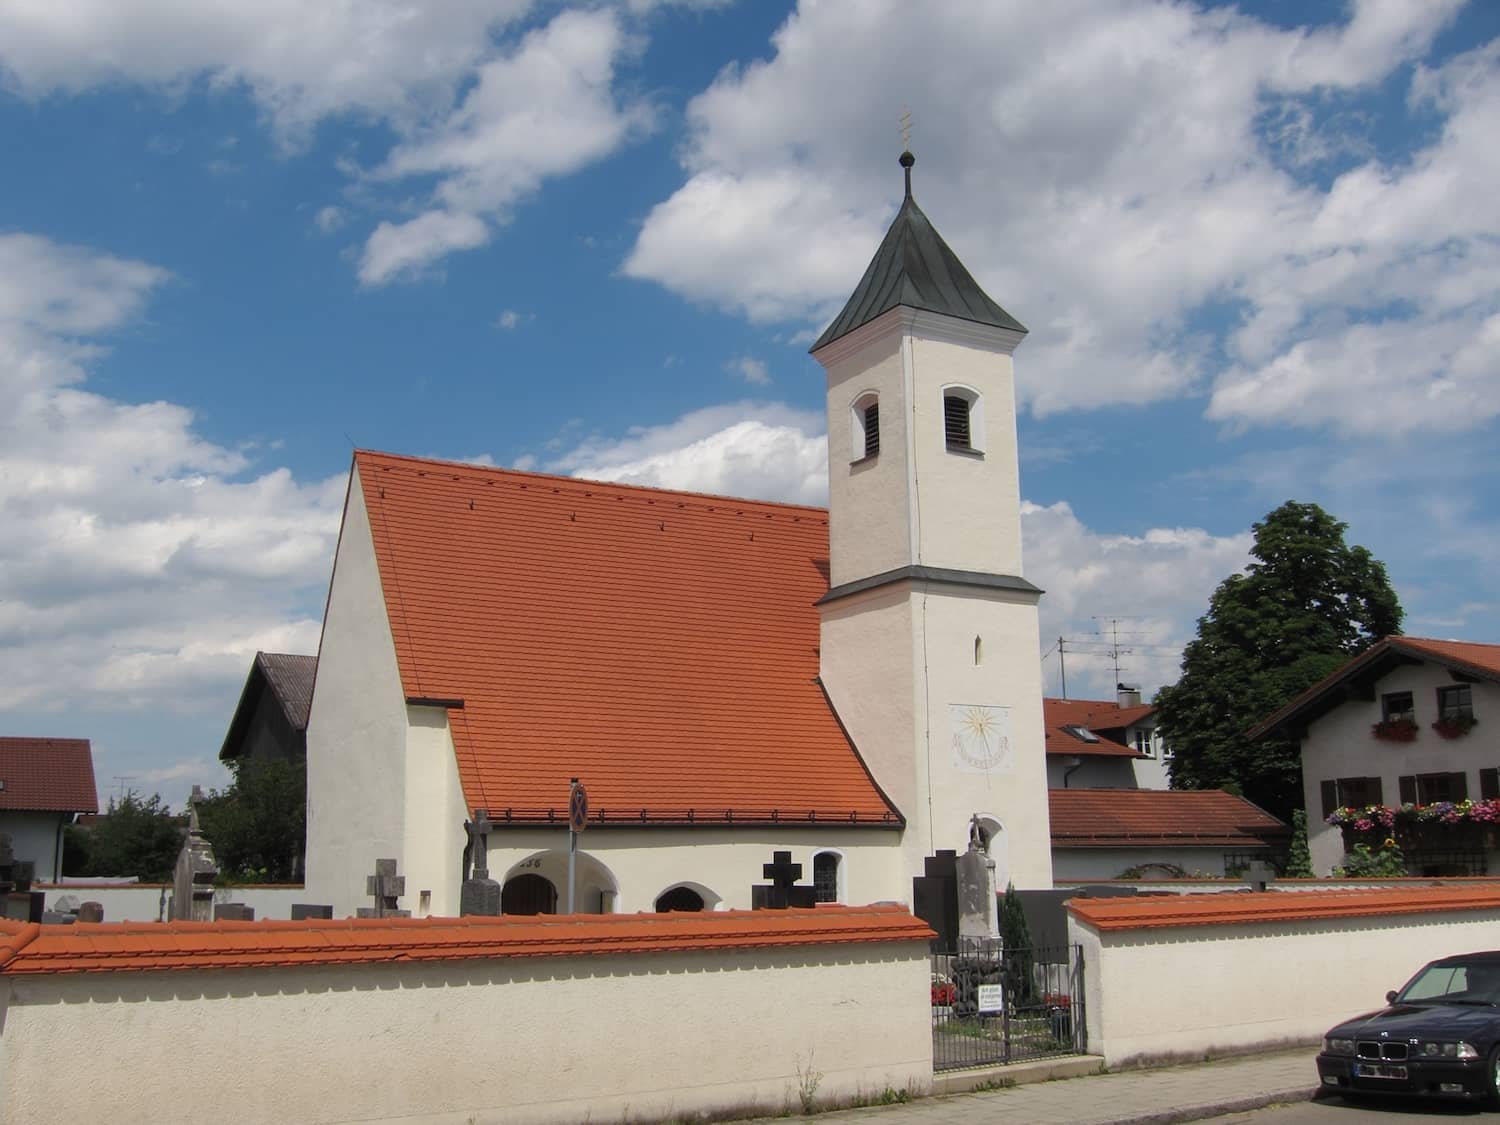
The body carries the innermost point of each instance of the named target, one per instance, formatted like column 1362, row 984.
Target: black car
column 1439, row 1036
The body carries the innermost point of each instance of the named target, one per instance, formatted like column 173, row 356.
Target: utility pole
column 1062, row 667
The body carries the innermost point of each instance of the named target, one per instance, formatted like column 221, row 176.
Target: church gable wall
column 356, row 731
column 434, row 817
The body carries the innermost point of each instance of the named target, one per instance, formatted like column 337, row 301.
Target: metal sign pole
column 572, row 862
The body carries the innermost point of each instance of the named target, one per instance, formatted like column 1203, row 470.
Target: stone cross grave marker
column 783, row 891
column 480, row 894
column 193, row 877
column 1258, row 874
column 385, row 887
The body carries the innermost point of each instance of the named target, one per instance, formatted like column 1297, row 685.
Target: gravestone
column 783, row 891
column 935, row 898
column 974, row 873
column 193, row 878
column 91, row 912
column 385, row 887
column 480, row 894
column 233, row 912
column 1259, row 874
column 305, row 910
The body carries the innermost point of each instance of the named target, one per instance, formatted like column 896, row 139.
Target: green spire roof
column 915, row 268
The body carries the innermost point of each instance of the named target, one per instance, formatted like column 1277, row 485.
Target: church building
column 858, row 686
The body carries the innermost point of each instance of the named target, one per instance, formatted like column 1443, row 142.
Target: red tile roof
column 1470, row 657
column 1112, row 818
column 47, row 775
column 26, row 947
column 1096, row 715
column 662, row 646
column 1277, row 906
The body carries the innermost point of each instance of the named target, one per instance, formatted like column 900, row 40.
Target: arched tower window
column 963, row 419
column 864, row 427
column 826, row 876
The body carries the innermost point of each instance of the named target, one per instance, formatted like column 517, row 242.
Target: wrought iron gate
column 992, row 1005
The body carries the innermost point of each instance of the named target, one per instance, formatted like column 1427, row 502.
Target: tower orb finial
column 907, row 160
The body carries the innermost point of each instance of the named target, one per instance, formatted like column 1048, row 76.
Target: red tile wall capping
column 1277, row 906
column 1083, row 818
column 151, row 946
column 47, row 775
column 662, row 646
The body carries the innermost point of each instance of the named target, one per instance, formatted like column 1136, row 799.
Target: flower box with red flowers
column 1394, row 730
column 1456, row 727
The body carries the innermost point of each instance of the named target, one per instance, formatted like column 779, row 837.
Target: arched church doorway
column 679, row 899
column 528, row 894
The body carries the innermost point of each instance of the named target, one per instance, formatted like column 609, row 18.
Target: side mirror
column 1390, row 997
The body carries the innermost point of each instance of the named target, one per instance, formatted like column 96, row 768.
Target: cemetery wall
column 144, row 902
column 1185, row 975
column 473, row 1020
column 1106, row 863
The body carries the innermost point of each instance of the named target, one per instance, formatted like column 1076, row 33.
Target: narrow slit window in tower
column 872, row 429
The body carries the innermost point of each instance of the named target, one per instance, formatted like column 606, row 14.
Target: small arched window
column 963, row 420
column 865, row 427
column 826, row 876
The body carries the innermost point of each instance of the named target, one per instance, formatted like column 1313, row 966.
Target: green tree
column 1299, row 858
column 1305, row 604
column 136, row 836
column 1015, row 949
column 258, row 825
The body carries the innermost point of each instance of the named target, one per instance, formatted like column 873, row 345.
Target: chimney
column 1127, row 695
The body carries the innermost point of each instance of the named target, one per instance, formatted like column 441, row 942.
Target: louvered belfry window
column 956, row 421
column 872, row 429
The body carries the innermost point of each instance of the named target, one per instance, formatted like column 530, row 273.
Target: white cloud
column 142, row 565
column 511, row 319
column 763, row 450
column 545, row 109
column 750, row 369
column 393, row 59
column 1115, row 173
column 330, row 218
column 488, row 118
column 405, row 249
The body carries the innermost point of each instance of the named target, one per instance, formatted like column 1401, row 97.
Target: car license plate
column 1379, row 1070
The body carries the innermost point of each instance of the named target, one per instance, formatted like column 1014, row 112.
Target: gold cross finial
column 905, row 129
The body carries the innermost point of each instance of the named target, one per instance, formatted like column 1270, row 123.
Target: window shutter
column 1458, row 787
column 1408, row 784
column 1374, row 792
column 872, row 429
column 1330, row 798
column 956, row 421
column 1489, row 784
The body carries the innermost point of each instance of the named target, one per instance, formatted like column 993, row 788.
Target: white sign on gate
column 991, row 998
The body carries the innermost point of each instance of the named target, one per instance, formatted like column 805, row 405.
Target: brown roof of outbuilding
column 289, row 679
column 1112, row 818
column 1097, row 716
column 47, row 775
column 1469, row 657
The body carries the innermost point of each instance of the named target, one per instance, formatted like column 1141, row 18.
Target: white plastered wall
column 1109, row 863
column 532, row 1040
column 1184, row 991
column 36, row 836
column 638, row 864
column 1340, row 745
column 435, row 815
column 356, row 730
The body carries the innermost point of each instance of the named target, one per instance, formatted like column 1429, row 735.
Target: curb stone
column 1218, row 1109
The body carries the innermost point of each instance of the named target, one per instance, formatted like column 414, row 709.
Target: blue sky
column 1256, row 246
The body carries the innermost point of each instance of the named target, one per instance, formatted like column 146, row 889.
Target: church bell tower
column 929, row 632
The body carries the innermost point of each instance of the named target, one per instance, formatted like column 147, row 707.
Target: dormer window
column 963, row 420
column 865, row 427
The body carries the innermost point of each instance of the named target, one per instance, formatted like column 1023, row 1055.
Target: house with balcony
column 1403, row 743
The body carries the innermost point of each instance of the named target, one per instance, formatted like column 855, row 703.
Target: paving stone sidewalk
column 1134, row 1097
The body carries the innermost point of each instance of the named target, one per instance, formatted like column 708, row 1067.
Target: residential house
column 44, row 784
column 1104, row 744
column 1410, row 728
column 270, row 720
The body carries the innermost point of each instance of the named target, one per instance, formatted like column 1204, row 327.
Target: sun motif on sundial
column 981, row 737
